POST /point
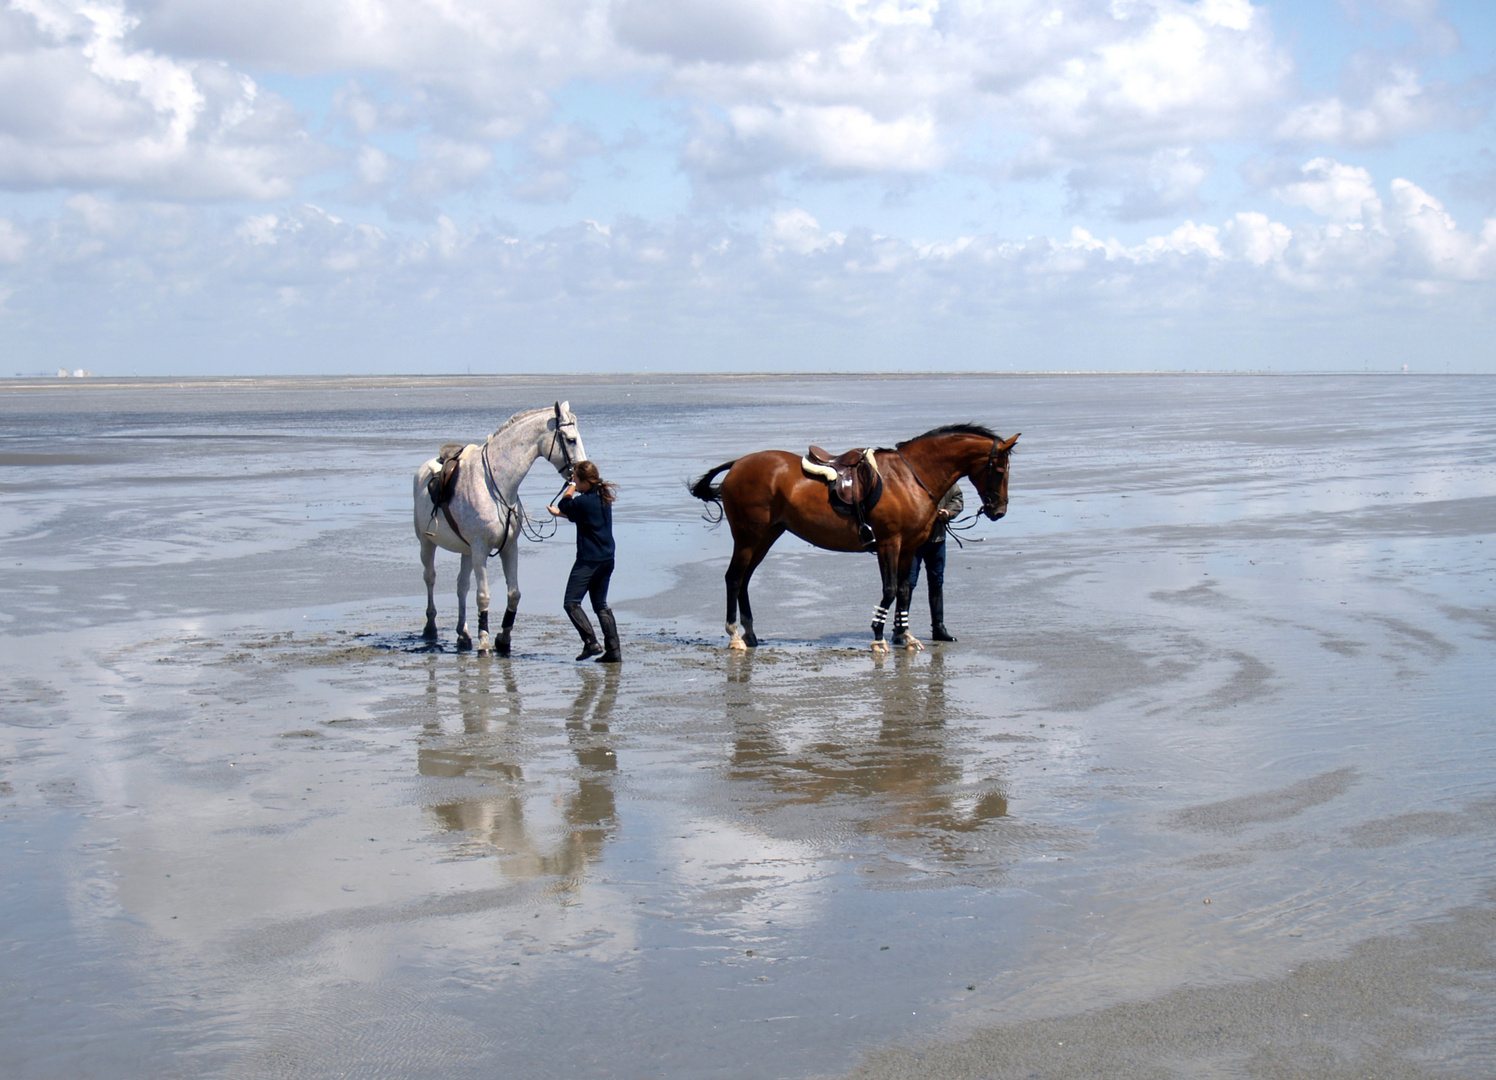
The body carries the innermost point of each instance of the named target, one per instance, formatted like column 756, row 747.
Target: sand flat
column 1233, row 643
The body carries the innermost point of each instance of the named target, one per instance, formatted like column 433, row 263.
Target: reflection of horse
column 498, row 821
column 907, row 783
column 766, row 493
column 467, row 501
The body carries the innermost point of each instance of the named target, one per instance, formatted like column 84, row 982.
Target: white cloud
column 80, row 107
column 1398, row 104
column 726, row 31
column 1169, row 72
column 668, row 294
column 1438, row 247
column 1257, row 238
column 797, row 231
column 13, row 242
column 843, row 137
column 1330, row 189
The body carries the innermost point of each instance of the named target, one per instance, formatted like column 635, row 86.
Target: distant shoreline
column 157, row 382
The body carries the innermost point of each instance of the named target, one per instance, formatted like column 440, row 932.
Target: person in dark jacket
column 932, row 554
column 588, row 502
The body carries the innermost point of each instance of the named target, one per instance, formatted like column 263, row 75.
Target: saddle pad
column 820, row 472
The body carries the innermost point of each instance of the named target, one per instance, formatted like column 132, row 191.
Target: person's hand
column 554, row 511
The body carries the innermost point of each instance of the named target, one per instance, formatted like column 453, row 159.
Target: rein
column 933, row 497
column 494, row 493
column 528, row 528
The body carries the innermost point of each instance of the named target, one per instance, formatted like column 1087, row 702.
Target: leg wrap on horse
column 579, row 619
column 482, row 622
column 880, row 616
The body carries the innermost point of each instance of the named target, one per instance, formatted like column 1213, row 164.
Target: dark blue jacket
column 594, row 520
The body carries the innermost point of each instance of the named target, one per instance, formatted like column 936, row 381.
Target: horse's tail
column 704, row 490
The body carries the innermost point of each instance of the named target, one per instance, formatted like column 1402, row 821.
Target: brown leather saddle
column 853, row 485
column 443, row 484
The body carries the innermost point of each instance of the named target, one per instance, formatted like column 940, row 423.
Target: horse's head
column 991, row 478
column 563, row 440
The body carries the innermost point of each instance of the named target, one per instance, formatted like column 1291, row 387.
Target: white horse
column 483, row 514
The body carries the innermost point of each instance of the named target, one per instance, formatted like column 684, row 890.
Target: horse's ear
column 564, row 406
column 1008, row 444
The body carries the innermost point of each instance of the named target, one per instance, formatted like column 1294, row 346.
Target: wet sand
column 1232, row 644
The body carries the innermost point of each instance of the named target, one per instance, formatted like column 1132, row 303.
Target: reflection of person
column 588, row 502
column 932, row 554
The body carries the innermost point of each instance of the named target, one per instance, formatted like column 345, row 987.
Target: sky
column 491, row 186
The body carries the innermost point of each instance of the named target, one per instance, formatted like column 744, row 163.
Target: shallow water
column 1232, row 643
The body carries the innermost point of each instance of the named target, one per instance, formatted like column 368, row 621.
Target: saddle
column 443, row 484
column 854, row 485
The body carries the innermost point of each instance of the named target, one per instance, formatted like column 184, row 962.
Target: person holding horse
column 932, row 555
column 588, row 503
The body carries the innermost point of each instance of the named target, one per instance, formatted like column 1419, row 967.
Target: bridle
column 557, row 440
column 990, row 491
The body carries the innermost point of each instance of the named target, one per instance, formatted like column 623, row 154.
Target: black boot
column 938, row 632
column 611, row 655
column 579, row 619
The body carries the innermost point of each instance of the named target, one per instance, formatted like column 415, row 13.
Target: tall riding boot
column 579, row 619
column 610, row 655
column 938, row 632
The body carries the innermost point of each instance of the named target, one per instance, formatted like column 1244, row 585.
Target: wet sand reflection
column 495, row 748
column 906, row 781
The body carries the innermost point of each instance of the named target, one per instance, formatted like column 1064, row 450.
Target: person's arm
column 560, row 511
column 952, row 505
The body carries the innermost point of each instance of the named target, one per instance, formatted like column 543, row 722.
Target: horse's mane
column 955, row 429
column 517, row 417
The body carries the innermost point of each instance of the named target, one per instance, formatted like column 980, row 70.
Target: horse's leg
column 464, row 575
column 428, row 571
column 888, row 553
column 734, row 581
column 749, row 637
column 904, row 593
column 480, row 571
column 509, row 558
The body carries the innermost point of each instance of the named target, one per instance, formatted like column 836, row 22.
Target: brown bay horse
column 766, row 493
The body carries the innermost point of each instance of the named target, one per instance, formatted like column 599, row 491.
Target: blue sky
column 241, row 186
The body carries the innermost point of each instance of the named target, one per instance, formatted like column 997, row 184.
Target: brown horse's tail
column 704, row 490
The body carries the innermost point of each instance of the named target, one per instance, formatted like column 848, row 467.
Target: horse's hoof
column 737, row 645
column 430, row 632
column 750, row 640
column 485, row 644
column 880, row 648
column 464, row 643
column 914, row 645
column 501, row 648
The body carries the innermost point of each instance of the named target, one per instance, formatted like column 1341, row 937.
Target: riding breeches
column 589, row 579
